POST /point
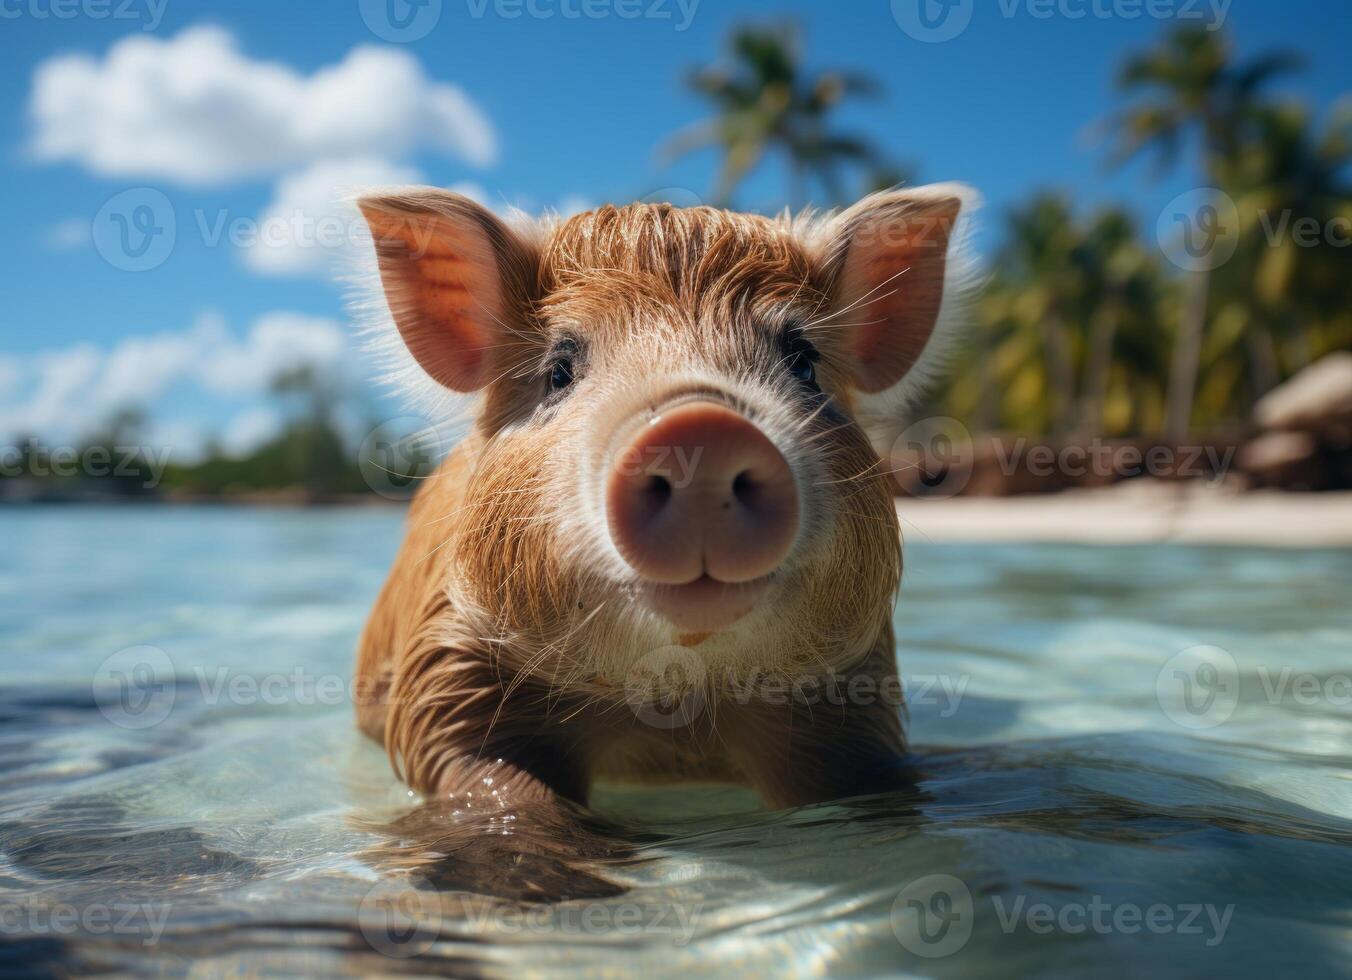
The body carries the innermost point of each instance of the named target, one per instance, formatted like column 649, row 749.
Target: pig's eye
column 801, row 358
column 561, row 374
column 562, row 363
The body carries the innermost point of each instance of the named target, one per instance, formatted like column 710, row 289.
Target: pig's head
column 668, row 444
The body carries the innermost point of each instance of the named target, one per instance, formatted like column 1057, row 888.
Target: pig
column 672, row 475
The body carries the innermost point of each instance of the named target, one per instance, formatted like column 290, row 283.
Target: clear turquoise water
column 1096, row 794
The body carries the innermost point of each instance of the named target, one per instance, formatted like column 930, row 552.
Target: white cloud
column 310, row 222
column 309, row 218
column 573, row 204
column 275, row 343
column 73, row 233
column 184, row 439
column 65, row 393
column 9, row 372
column 249, row 429
column 194, row 109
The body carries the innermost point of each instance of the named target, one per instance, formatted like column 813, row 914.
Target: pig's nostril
column 744, row 489
column 650, row 498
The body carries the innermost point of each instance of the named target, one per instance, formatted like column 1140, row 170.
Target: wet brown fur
column 495, row 660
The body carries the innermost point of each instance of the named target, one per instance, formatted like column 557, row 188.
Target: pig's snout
column 699, row 492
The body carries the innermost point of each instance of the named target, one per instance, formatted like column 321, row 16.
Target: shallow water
column 1131, row 760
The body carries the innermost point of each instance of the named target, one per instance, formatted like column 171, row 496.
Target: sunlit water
column 1132, row 760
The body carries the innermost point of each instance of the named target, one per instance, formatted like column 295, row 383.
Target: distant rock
column 1304, row 440
column 1318, row 399
column 1289, row 460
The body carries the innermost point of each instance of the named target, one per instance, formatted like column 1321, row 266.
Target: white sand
column 1136, row 512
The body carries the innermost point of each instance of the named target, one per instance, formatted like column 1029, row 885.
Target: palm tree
column 997, row 369
column 1039, row 257
column 1294, row 180
column 1283, row 300
column 1119, row 279
column 765, row 102
column 1188, row 87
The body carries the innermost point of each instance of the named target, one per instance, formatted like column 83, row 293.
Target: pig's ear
column 889, row 258
column 453, row 276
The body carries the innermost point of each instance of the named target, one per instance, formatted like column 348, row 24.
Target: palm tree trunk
column 1099, row 361
column 1187, row 357
column 987, row 405
column 1061, row 372
column 1302, row 351
column 1263, row 367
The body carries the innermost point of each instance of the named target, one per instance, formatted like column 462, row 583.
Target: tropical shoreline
column 1138, row 512
column 1132, row 512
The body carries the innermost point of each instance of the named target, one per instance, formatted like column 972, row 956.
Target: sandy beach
column 1136, row 513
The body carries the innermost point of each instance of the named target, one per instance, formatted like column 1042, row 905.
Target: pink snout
column 701, row 493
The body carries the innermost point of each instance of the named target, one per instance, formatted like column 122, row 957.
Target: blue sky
column 554, row 110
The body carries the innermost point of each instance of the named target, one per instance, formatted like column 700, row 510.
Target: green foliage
column 765, row 102
column 1084, row 321
column 1084, row 328
column 309, row 459
column 309, row 455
